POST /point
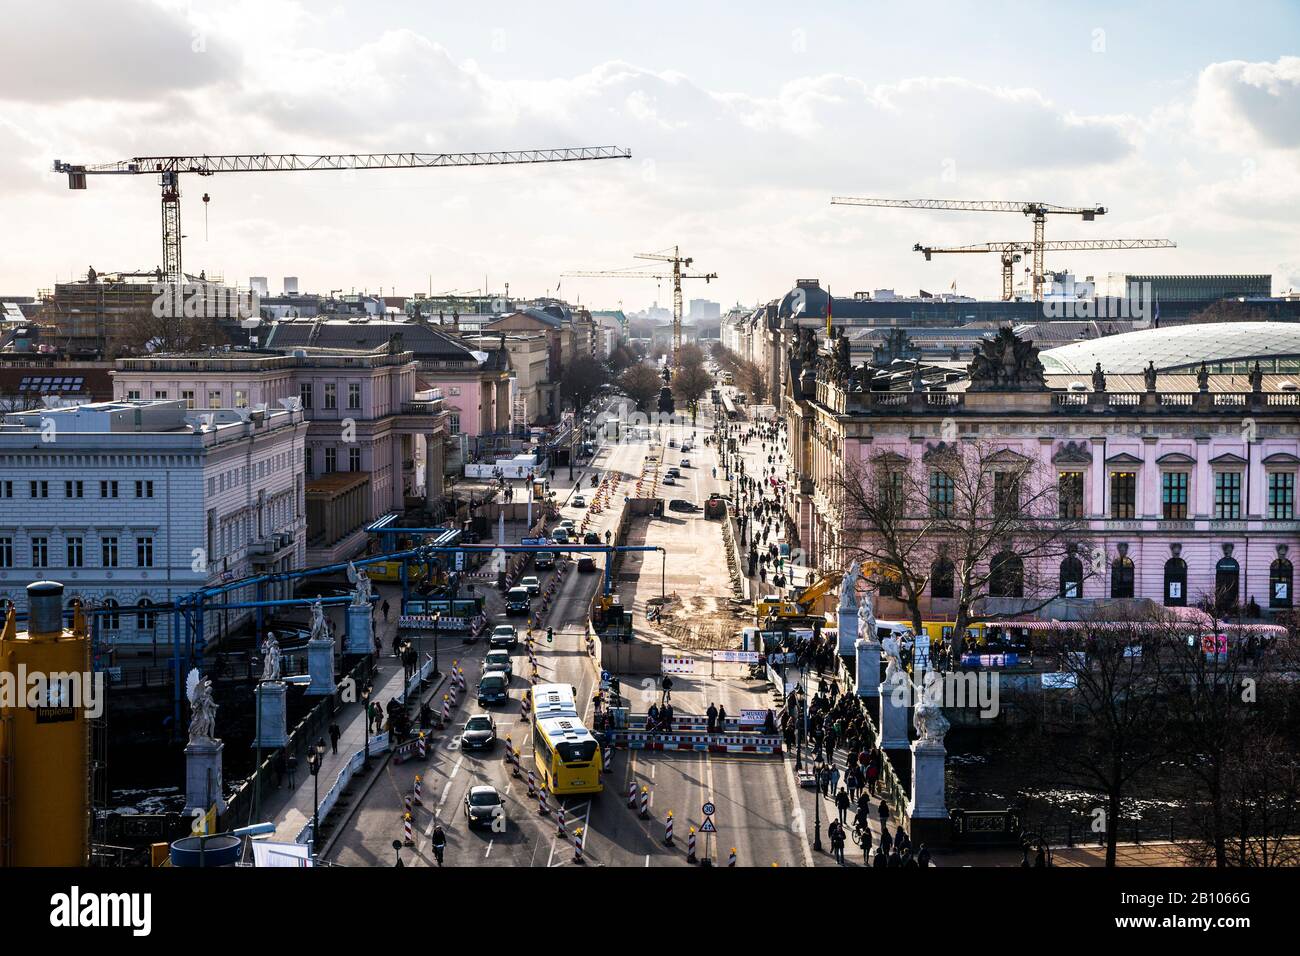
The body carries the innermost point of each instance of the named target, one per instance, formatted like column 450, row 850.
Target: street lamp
column 397, row 848
column 818, row 766
column 365, row 706
column 314, row 758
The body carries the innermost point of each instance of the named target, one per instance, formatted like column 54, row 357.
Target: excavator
column 801, row 605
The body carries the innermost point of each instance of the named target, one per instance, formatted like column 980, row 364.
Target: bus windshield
column 577, row 753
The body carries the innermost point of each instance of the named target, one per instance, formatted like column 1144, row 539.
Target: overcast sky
column 743, row 119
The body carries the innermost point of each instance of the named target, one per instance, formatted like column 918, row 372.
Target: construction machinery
column 801, row 605
column 679, row 262
column 1038, row 211
column 1011, row 252
column 169, row 170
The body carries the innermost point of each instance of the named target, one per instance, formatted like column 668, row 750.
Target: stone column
column 867, row 657
column 360, row 634
column 893, row 712
column 928, row 799
column 320, row 665
column 433, row 466
column 272, row 727
column 203, row 776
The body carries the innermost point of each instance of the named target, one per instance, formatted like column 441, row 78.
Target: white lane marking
column 647, row 859
column 489, row 849
column 798, row 822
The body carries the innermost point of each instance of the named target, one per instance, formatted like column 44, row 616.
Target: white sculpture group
column 203, row 709
column 361, row 586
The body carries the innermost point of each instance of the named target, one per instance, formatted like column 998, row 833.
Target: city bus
column 568, row 757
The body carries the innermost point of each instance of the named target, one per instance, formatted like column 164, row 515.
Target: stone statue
column 203, row 709
column 1256, row 379
column 1203, row 378
column 319, row 625
column 271, row 660
column 1098, row 379
column 849, row 587
column 893, row 658
column 361, row 584
column 866, row 618
column 1006, row 363
column 931, row 725
column 1149, row 374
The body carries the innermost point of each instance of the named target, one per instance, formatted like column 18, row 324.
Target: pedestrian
column 385, row 610
column 835, row 774
column 923, row 858
column 438, row 840
column 722, row 718
column 883, row 813
column 335, row 733
column 886, row 842
column 865, row 829
column 667, row 686
column 872, row 772
column 842, row 804
column 836, row 833
column 712, row 715
column 880, row 860
column 292, row 767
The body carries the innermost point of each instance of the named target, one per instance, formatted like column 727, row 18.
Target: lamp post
column 314, row 758
column 365, row 706
column 397, row 849
column 818, row 766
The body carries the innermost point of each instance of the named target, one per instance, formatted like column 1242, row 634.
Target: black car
column 591, row 538
column 681, row 504
column 480, row 733
column 586, row 563
column 543, row 560
column 483, row 805
column 493, row 688
column 504, row 635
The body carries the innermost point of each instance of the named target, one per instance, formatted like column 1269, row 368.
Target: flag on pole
column 828, row 311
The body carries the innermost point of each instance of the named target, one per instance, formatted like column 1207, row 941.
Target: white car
column 533, row 585
column 579, row 501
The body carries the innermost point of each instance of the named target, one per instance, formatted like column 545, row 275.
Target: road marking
column 489, row 849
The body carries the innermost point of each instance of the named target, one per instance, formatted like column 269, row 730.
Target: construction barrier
column 690, row 847
column 645, row 803
column 559, row 822
column 631, row 795
column 408, row 836
column 419, row 798
column 731, row 860
column 703, row 743
column 577, row 845
column 542, row 808
column 532, row 784
column 668, row 829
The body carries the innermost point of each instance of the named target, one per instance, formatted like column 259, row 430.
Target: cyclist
column 439, row 842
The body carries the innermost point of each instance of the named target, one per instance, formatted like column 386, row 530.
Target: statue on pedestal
column 866, row 618
column 361, row 582
column 319, row 625
column 931, row 725
column 203, row 709
column 893, row 658
column 849, row 587
column 271, row 660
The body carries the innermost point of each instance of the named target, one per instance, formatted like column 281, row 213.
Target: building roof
column 1179, row 347
column 426, row 341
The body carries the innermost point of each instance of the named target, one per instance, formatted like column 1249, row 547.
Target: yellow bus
column 568, row 757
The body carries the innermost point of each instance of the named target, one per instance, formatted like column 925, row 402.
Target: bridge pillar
column 203, row 776
column 320, row 665
column 867, row 659
column 272, row 729
column 894, row 698
column 361, row 633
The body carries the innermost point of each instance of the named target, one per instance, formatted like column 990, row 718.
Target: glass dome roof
column 1177, row 347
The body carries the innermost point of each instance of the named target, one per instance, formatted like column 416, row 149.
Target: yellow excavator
column 803, row 604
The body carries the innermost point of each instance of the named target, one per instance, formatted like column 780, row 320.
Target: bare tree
column 641, row 383
column 690, row 383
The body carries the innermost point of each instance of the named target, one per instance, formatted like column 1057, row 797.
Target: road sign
column 707, row 826
column 707, row 809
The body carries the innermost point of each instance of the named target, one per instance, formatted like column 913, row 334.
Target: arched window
column 145, row 620
column 1121, row 577
column 1175, row 583
column 1280, row 581
column 112, row 620
column 941, row 579
column 1006, row 576
column 1227, row 584
column 1071, row 576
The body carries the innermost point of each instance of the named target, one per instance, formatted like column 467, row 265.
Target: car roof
column 505, row 627
column 484, row 788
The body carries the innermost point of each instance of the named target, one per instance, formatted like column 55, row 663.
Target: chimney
column 45, row 609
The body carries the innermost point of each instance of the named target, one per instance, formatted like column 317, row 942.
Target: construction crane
column 170, row 168
column 1038, row 210
column 679, row 262
column 1010, row 252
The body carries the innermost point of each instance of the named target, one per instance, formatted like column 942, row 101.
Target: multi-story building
column 136, row 504
column 370, row 425
column 1183, row 483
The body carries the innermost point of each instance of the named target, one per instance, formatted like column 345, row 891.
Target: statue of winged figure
column 203, row 709
column 361, row 584
column 930, row 723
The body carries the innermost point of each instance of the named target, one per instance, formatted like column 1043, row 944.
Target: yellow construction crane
column 170, row 168
column 1010, row 252
column 1039, row 211
column 679, row 262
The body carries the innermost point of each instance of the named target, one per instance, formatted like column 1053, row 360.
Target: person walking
column 335, row 733
column 712, row 715
column 865, row 827
column 438, row 840
column 835, row 772
column 842, row 804
column 923, row 857
column 385, row 609
column 722, row 718
column 836, row 832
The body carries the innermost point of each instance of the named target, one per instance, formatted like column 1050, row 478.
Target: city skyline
column 738, row 144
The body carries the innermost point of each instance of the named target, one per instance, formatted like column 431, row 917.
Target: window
column 1175, row 582
column 76, row 556
column 241, row 398
column 941, row 579
column 112, row 620
column 6, row 552
column 1123, row 494
column 306, row 461
column 453, row 423
column 160, row 394
column 942, row 494
column 1279, row 583
column 304, row 394
column 1006, row 492
column 108, row 551
column 214, row 398
column 74, row 489
column 1069, row 493
column 6, row 489
column 145, row 620
column 40, row 489
column 1281, row 496
column 1227, row 584
column 1006, row 576
column 1121, row 577
column 144, row 552
column 40, row 552
column 1071, row 577
column 331, row 460
column 187, row 395
column 354, row 459
column 133, row 395
column 1227, row 495
column 144, row 489
column 331, row 396
column 1173, row 495
column 108, row 489
column 354, row 395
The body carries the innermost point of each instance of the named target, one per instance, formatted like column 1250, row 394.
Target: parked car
column 518, row 601
column 499, row 661
column 532, row 583
column 479, row 733
column 483, row 805
column 504, row 635
column 543, row 560
column 586, row 563
column 681, row 504
column 493, row 688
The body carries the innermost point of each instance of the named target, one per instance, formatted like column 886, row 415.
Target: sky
column 1181, row 117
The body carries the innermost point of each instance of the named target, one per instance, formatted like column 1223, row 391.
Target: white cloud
column 1250, row 104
